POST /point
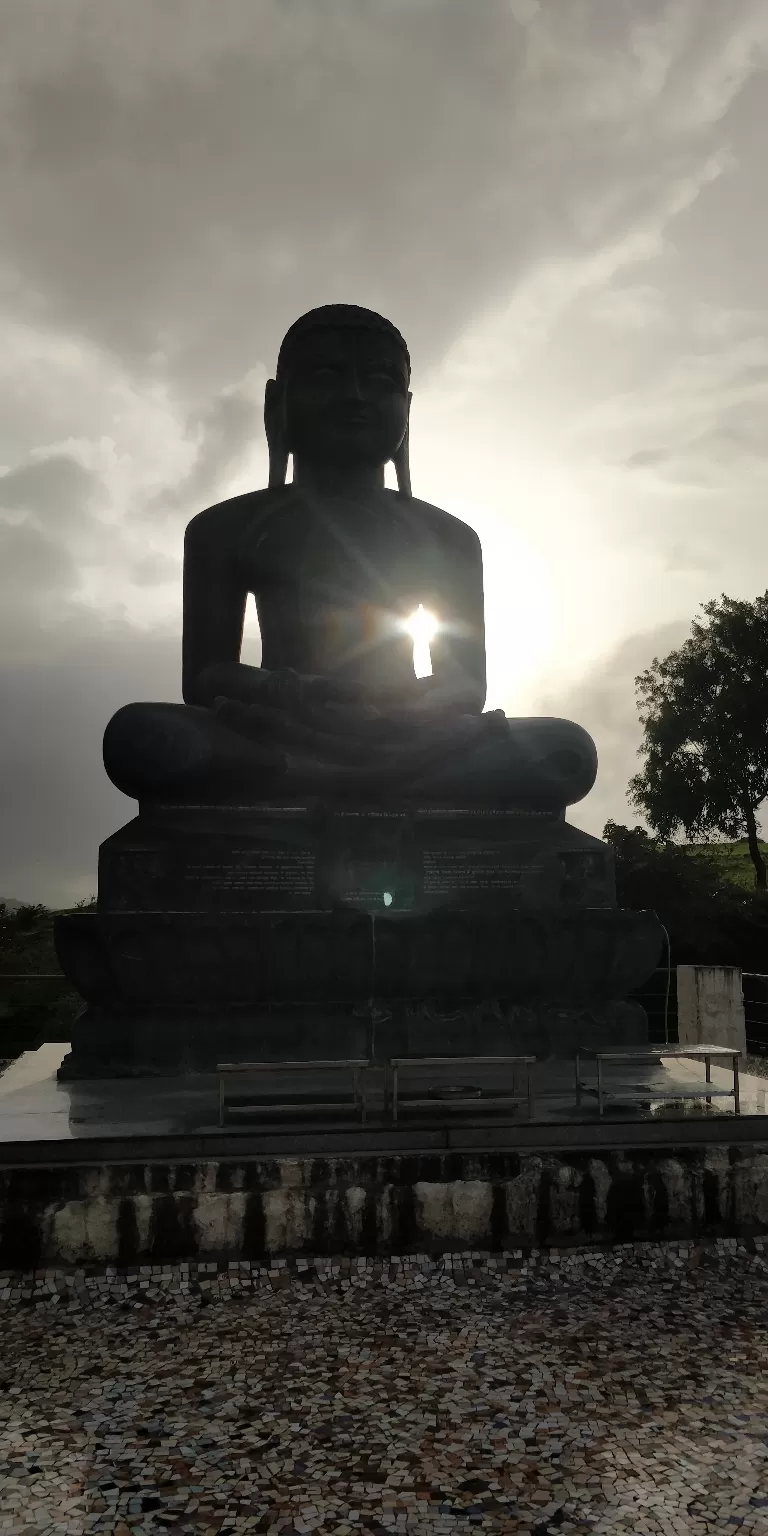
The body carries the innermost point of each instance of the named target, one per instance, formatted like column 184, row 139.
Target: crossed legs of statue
column 164, row 751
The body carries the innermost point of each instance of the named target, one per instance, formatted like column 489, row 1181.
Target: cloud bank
column 559, row 205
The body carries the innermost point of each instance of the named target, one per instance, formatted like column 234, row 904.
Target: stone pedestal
column 710, row 1006
column 293, row 931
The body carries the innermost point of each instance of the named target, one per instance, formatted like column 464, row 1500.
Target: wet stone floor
column 620, row 1390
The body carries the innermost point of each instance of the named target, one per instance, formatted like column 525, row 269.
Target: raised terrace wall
column 366, row 1204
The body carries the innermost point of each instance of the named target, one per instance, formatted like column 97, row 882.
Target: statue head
column 340, row 394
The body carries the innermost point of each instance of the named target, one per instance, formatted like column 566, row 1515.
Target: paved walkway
column 619, row 1391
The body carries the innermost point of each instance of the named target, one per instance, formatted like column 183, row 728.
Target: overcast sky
column 561, row 203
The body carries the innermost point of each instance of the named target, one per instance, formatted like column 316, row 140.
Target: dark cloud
column 225, row 432
column 604, row 703
column 647, row 458
column 33, row 566
column 57, row 490
column 57, row 802
column 153, row 570
column 47, row 529
column 192, row 197
column 179, row 181
column 175, row 209
column 41, row 503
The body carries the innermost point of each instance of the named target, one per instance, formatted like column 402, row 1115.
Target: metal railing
column 658, row 996
column 653, row 998
column 754, row 985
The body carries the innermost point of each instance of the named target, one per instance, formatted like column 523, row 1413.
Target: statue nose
column 353, row 387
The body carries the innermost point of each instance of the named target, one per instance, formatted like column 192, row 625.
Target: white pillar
column 710, row 1006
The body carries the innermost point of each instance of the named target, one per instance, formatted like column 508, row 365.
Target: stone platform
column 339, row 858
column 297, row 931
column 134, row 1172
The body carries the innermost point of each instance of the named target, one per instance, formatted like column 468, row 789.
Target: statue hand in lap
column 337, row 563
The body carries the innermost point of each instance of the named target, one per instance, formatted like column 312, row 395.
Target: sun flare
column 422, row 627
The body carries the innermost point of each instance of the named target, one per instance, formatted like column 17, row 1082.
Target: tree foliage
column 33, row 1010
column 709, row 920
column 704, row 711
column 654, row 872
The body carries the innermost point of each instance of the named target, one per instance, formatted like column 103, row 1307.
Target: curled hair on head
column 336, row 317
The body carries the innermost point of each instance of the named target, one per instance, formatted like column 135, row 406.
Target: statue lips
column 352, row 420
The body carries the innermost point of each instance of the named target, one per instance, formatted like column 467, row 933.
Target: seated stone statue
column 338, row 564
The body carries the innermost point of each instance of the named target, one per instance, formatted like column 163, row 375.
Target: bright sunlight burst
column 422, row 626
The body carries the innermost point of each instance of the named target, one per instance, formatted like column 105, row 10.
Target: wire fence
column 755, row 989
column 658, row 996
column 653, row 998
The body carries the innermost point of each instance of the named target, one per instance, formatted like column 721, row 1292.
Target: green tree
column 710, row 920
column 658, row 873
column 704, row 711
column 36, row 1009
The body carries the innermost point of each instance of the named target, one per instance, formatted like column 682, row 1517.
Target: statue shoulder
column 226, row 519
column 456, row 533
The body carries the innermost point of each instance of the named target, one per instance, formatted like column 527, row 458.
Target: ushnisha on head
column 341, row 393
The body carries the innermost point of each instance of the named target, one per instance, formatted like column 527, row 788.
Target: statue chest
column 350, row 562
column 332, row 592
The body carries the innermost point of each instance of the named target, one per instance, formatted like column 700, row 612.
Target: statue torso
column 334, row 580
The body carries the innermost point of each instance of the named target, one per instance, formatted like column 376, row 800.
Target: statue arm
column 214, row 614
column 458, row 648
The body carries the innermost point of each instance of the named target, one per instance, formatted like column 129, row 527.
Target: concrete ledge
column 617, row 1134
column 254, row 1207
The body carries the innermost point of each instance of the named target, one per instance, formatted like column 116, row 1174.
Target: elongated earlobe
column 402, row 466
column 273, row 426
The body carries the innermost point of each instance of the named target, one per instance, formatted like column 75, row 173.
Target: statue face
column 346, row 398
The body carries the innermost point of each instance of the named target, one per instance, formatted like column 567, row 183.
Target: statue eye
column 325, row 371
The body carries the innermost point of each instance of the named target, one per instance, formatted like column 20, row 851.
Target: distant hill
column 10, row 903
column 733, row 859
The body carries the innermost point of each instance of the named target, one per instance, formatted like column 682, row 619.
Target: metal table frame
column 229, row 1069
column 456, row 1063
column 634, row 1055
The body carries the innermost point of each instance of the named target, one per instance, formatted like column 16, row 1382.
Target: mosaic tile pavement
column 620, row 1390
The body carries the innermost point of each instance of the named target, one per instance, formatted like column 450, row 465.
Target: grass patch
column 733, row 860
